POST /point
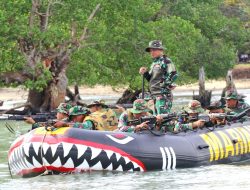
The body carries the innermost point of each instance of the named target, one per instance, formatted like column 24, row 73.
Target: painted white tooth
column 57, row 163
column 18, row 166
column 97, row 166
column 80, row 150
column 26, row 148
column 110, row 167
column 109, row 153
column 95, row 152
column 69, row 164
column 45, row 147
column 17, row 153
column 130, row 170
column 36, row 163
column 127, row 160
column 21, row 163
column 119, row 168
column 135, row 165
column 84, row 165
column 118, row 156
column 29, row 165
column 53, row 149
column 36, row 147
column 66, row 148
column 45, row 162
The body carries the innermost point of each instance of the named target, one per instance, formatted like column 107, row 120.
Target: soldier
column 191, row 121
column 77, row 114
column 62, row 114
column 216, row 107
column 140, row 109
column 103, row 117
column 161, row 76
column 235, row 103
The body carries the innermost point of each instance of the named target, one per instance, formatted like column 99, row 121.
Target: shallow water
column 209, row 177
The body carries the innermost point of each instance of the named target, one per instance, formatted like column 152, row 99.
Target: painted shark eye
column 120, row 138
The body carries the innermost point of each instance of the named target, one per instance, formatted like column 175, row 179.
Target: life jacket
column 103, row 120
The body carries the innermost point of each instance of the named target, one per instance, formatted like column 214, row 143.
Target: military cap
column 155, row 44
column 139, row 106
column 77, row 110
column 215, row 105
column 97, row 103
column 194, row 106
column 64, row 108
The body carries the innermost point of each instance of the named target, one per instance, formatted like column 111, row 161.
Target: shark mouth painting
column 71, row 150
column 69, row 155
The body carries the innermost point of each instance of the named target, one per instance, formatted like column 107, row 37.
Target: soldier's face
column 61, row 116
column 232, row 103
column 139, row 115
column 156, row 53
column 95, row 108
column 216, row 111
column 77, row 118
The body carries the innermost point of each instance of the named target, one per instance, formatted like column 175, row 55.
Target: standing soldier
column 161, row 76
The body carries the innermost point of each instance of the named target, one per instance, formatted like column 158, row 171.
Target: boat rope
column 46, row 172
column 10, row 169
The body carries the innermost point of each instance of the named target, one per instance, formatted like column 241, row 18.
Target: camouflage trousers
column 163, row 103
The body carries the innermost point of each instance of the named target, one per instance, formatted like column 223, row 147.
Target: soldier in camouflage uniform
column 140, row 109
column 193, row 110
column 216, row 107
column 100, row 119
column 77, row 114
column 62, row 114
column 235, row 104
column 161, row 76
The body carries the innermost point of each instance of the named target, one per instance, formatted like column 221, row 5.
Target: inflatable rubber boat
column 72, row 150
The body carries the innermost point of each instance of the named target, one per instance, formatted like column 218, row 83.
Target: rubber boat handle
column 236, row 141
column 203, row 146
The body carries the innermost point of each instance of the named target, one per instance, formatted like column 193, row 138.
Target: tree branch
column 32, row 13
column 91, row 16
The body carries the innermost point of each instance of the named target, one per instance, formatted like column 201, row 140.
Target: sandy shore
column 21, row 93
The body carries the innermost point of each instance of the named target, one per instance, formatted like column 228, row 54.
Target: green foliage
column 195, row 33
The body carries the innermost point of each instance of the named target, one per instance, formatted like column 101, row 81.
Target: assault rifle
column 185, row 117
column 39, row 117
column 238, row 116
column 152, row 119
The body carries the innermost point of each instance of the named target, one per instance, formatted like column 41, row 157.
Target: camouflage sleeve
column 182, row 127
column 85, row 125
column 123, row 123
column 171, row 74
column 147, row 76
column 35, row 125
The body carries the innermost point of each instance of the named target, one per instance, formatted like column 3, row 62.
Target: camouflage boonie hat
column 194, row 106
column 97, row 103
column 233, row 95
column 64, row 108
column 77, row 110
column 139, row 106
column 215, row 105
column 155, row 44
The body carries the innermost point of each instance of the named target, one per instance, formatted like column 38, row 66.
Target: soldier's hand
column 120, row 109
column 142, row 126
column 143, row 70
column 29, row 120
column 59, row 124
column 159, row 119
column 198, row 124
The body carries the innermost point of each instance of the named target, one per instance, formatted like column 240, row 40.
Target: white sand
column 21, row 93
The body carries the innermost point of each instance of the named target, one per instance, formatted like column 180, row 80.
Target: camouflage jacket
column 161, row 75
column 123, row 122
column 241, row 106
